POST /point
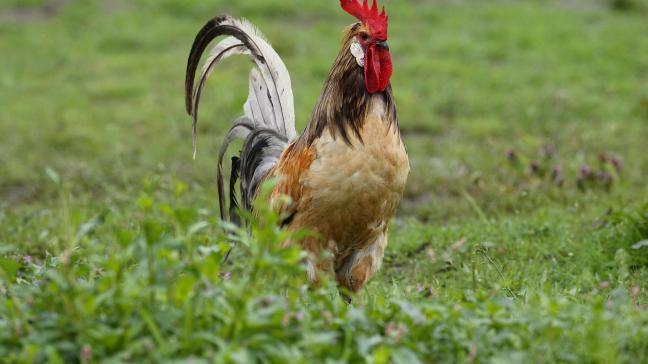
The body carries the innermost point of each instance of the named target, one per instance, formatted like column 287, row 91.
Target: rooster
column 345, row 174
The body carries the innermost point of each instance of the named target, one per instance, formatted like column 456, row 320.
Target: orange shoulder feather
column 292, row 165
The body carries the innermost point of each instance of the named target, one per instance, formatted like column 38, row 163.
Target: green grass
column 109, row 245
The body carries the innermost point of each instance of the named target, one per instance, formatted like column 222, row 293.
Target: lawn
column 522, row 235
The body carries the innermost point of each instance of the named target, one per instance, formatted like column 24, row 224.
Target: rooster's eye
column 364, row 37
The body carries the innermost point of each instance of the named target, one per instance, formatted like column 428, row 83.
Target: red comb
column 377, row 22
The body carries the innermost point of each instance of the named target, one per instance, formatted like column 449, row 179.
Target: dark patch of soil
column 17, row 194
column 22, row 15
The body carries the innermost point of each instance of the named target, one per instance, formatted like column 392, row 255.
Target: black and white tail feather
column 268, row 123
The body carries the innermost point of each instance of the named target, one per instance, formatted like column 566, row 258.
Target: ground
column 521, row 236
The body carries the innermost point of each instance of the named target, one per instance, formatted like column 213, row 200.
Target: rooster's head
column 370, row 44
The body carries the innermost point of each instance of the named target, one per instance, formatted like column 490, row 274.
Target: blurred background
column 504, row 105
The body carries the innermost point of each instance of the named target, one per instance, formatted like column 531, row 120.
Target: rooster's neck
column 344, row 102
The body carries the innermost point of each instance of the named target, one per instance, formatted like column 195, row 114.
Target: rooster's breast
column 351, row 191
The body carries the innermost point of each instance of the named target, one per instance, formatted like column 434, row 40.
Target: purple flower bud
column 556, row 172
column 28, row 259
column 603, row 157
column 586, row 171
column 511, row 156
column 534, row 166
column 548, row 150
column 618, row 165
column 604, row 178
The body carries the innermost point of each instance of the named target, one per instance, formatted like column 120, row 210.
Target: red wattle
column 378, row 69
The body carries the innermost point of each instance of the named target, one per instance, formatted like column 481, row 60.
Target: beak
column 382, row 44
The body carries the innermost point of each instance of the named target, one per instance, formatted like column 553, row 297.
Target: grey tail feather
column 268, row 123
column 261, row 150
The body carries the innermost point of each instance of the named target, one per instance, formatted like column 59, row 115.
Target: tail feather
column 258, row 105
column 228, row 47
column 243, row 38
column 240, row 130
column 234, row 175
column 261, row 151
column 268, row 123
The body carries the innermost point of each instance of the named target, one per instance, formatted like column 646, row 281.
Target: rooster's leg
column 356, row 268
